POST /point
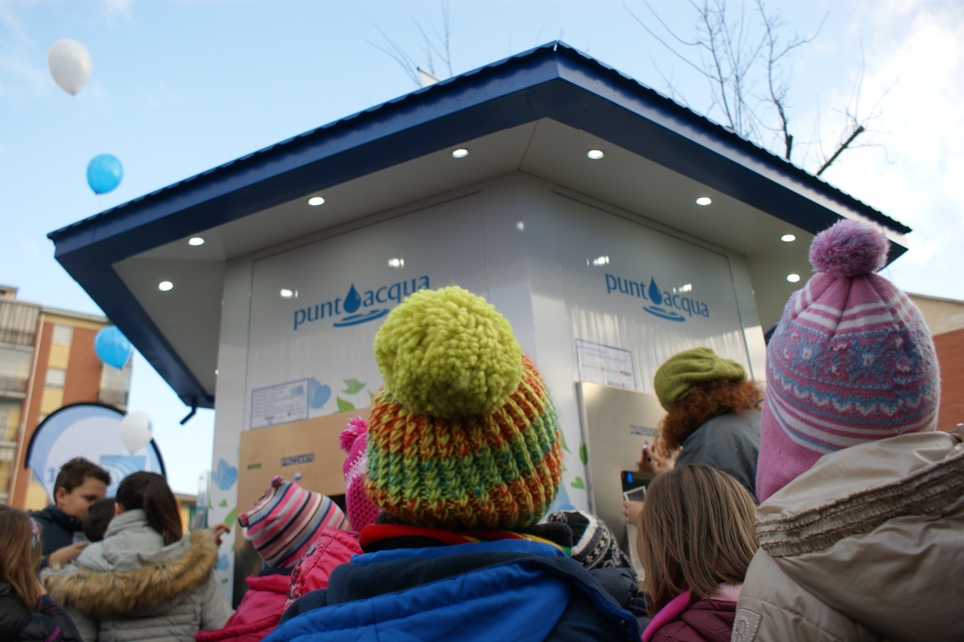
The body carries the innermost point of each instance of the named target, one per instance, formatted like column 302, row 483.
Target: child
column 464, row 459
column 696, row 541
column 595, row 546
column 862, row 510
column 79, row 484
column 143, row 581
column 98, row 519
column 26, row 611
column 284, row 526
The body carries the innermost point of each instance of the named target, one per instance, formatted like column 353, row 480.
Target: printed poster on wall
column 315, row 310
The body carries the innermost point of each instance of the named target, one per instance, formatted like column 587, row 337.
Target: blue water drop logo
column 352, row 300
column 654, row 294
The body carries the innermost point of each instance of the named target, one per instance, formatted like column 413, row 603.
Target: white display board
column 315, row 310
column 631, row 287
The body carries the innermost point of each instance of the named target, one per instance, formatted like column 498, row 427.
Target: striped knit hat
column 463, row 435
column 354, row 441
column 283, row 523
column 851, row 360
column 594, row 545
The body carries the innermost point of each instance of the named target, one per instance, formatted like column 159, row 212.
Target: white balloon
column 136, row 431
column 70, row 65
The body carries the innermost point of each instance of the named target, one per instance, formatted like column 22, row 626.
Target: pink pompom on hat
column 851, row 360
column 354, row 441
column 286, row 520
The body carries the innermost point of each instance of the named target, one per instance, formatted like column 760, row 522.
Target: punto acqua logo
column 359, row 307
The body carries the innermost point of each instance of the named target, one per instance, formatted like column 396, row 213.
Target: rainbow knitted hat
column 851, row 360
column 463, row 435
column 283, row 523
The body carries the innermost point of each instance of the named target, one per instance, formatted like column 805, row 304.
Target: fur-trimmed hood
column 119, row 593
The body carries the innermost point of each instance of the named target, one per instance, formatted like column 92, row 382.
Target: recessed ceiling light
column 599, row 260
column 788, row 238
column 164, row 286
column 461, row 152
column 396, row 263
column 286, row 293
column 315, row 201
column 195, row 241
column 704, row 200
column 793, row 278
column 521, row 226
column 595, row 154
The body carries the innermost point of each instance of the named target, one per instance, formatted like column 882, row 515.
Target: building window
column 63, row 334
column 56, row 377
column 14, row 370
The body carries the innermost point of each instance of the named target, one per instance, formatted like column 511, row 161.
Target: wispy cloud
column 118, row 10
column 22, row 62
column 917, row 181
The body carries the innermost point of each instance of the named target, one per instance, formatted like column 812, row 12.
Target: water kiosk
column 562, row 191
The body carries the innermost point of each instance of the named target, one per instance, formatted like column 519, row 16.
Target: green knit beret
column 689, row 368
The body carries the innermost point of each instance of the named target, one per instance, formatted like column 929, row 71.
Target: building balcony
column 113, row 397
column 8, row 450
column 15, row 387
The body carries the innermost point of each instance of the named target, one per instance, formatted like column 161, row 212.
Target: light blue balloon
column 112, row 347
column 104, row 173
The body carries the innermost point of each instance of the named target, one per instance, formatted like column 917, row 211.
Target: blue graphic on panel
column 320, row 394
column 225, row 476
column 119, row 467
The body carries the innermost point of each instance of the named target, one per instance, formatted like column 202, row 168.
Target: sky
column 180, row 86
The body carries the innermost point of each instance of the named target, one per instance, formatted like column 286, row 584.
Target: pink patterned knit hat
column 284, row 522
column 354, row 441
column 851, row 360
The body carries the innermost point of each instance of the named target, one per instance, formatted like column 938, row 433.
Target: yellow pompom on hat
column 463, row 435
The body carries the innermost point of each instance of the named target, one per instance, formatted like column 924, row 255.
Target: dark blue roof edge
column 553, row 48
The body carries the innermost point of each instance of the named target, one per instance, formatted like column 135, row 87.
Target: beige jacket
column 866, row 545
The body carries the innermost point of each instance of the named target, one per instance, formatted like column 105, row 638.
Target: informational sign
column 279, row 404
column 91, row 431
column 606, row 365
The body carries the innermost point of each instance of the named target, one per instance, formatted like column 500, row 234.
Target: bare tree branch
column 746, row 65
column 857, row 132
column 438, row 44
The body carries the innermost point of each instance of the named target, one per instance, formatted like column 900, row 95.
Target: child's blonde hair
column 695, row 532
column 20, row 553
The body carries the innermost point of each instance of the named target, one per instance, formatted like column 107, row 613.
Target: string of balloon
column 71, row 65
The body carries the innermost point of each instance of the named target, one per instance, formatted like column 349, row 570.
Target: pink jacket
column 257, row 614
column 268, row 596
column 709, row 619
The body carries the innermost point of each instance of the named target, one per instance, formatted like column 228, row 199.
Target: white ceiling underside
column 546, row 149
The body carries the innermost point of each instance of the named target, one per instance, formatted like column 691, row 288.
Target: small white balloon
column 70, row 65
column 136, row 431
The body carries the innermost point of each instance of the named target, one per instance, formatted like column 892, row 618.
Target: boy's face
column 77, row 502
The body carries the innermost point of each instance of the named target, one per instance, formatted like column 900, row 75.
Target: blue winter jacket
column 506, row 590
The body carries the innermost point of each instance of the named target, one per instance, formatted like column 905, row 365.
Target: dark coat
column 19, row 624
column 505, row 590
column 704, row 621
column 729, row 443
column 57, row 530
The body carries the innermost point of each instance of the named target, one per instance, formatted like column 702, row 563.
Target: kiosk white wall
column 594, row 293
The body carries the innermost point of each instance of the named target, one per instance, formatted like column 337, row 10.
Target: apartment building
column 945, row 318
column 47, row 361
